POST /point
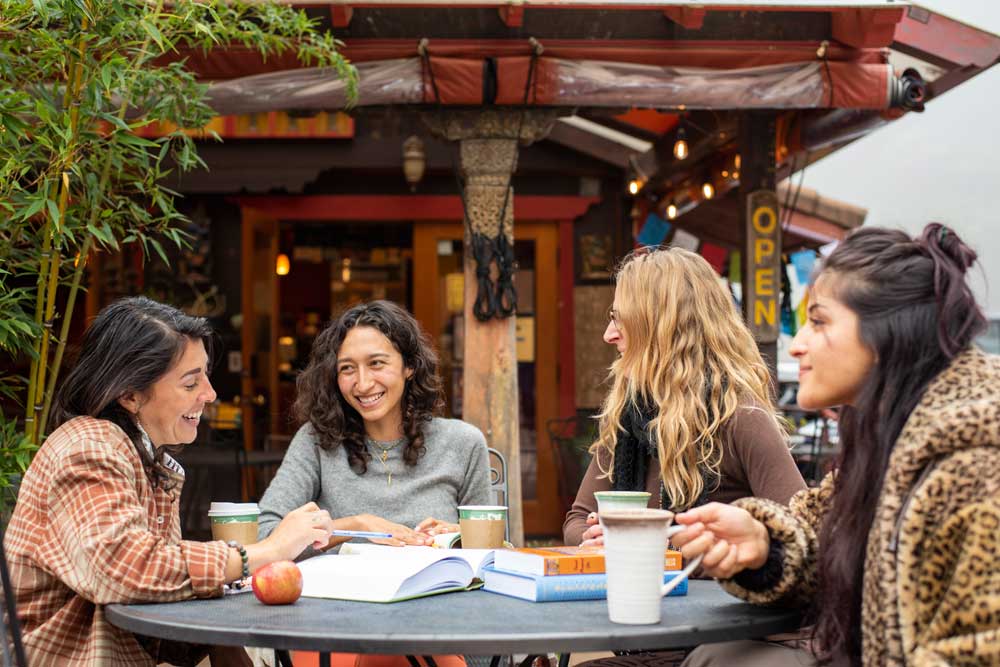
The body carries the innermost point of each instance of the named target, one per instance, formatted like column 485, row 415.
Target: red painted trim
column 865, row 28
column 567, row 323
column 238, row 61
column 814, row 229
column 340, row 15
column 946, row 39
column 513, row 17
column 686, row 17
column 419, row 208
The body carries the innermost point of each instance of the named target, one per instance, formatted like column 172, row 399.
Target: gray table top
column 470, row 623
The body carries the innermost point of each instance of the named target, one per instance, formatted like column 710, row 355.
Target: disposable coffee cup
column 482, row 526
column 634, row 541
column 234, row 521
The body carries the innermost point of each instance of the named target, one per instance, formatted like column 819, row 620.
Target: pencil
column 361, row 533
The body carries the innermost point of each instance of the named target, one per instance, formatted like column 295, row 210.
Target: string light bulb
column 708, row 190
column 736, row 162
column 681, row 144
column 282, row 265
column 671, row 211
column 633, row 186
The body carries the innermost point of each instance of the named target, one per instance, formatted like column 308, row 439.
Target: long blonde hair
column 682, row 331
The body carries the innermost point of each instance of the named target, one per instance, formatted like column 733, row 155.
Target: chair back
column 572, row 438
column 11, row 646
column 498, row 482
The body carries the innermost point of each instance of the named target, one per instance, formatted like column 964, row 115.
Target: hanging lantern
column 414, row 161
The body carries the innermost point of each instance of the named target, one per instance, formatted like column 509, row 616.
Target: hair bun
column 945, row 245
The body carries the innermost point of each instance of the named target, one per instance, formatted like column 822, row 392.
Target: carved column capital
column 525, row 125
column 488, row 145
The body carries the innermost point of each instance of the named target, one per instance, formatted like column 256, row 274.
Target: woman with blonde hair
column 690, row 417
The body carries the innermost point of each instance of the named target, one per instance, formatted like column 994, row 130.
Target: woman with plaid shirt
column 97, row 519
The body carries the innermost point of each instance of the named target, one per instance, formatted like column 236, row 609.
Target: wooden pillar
column 761, row 231
column 488, row 145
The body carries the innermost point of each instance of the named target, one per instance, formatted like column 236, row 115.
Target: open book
column 378, row 573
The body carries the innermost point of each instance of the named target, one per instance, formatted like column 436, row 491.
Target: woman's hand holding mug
column 728, row 537
column 594, row 535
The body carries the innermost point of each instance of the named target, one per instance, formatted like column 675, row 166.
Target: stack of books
column 559, row 574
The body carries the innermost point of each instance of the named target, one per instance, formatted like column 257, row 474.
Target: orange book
column 551, row 561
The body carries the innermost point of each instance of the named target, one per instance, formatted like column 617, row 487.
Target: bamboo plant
column 78, row 78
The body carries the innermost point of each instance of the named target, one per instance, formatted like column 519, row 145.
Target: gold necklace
column 384, row 456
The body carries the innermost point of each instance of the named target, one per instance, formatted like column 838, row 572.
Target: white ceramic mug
column 634, row 542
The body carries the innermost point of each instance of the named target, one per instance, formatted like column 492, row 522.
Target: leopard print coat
column 931, row 589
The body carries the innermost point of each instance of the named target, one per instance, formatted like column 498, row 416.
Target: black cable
column 506, row 294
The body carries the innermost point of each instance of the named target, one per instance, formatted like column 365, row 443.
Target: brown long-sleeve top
column 756, row 461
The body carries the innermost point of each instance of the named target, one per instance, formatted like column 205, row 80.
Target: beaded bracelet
column 243, row 557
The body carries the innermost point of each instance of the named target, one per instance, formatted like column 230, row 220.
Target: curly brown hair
column 333, row 420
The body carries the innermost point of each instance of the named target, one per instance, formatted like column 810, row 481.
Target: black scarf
column 633, row 452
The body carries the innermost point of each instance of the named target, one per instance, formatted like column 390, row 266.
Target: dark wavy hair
column 130, row 345
column 916, row 313
column 334, row 421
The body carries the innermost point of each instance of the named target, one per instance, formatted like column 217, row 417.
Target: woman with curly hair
column 690, row 417
column 370, row 451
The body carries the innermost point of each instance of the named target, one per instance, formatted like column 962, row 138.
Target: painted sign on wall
column 762, row 289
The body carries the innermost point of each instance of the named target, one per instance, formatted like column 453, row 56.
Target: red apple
column 278, row 583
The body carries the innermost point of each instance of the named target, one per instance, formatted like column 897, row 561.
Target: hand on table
column 594, row 535
column 729, row 537
column 401, row 535
column 302, row 527
column 431, row 526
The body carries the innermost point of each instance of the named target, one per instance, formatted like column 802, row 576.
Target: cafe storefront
column 614, row 124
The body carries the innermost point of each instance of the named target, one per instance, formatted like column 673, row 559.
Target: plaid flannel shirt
column 89, row 529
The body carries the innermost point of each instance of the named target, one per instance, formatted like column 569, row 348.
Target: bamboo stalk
column 64, row 332
column 95, row 210
column 48, row 272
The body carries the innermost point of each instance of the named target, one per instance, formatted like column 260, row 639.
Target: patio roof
column 636, row 76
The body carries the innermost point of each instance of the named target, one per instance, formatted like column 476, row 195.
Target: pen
column 360, row 533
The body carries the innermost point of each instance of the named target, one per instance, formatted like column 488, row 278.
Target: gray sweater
column 453, row 471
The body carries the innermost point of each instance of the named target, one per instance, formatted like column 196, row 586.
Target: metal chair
column 11, row 648
column 498, row 482
column 572, row 437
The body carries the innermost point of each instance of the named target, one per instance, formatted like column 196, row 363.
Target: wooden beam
column 567, row 329
column 761, row 231
column 418, row 208
column 597, row 141
column 944, row 41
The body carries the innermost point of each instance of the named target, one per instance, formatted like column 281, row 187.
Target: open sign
column 763, row 285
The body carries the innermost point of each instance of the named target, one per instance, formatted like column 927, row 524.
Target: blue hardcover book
column 558, row 589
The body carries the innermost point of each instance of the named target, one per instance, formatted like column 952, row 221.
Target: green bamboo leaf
column 153, row 32
column 159, row 250
column 32, row 210
column 53, row 212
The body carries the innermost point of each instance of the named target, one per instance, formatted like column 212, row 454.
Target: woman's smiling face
column 833, row 360
column 371, row 377
column 171, row 410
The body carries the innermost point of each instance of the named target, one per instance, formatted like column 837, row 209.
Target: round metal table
column 470, row 623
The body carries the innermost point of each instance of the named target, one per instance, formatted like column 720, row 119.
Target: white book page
column 476, row 558
column 383, row 574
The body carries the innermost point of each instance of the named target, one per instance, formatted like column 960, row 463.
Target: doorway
column 418, row 270
column 438, row 288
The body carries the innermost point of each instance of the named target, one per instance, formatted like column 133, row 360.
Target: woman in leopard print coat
column 895, row 552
